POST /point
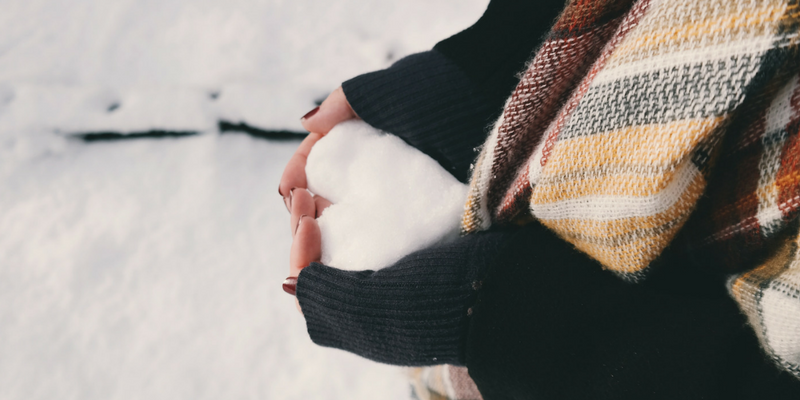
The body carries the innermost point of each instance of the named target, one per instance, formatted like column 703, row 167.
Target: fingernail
column 288, row 200
column 309, row 114
column 290, row 285
column 299, row 221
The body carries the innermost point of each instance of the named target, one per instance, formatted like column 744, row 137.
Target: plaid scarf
column 640, row 125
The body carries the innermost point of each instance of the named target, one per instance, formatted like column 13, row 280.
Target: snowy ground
column 150, row 268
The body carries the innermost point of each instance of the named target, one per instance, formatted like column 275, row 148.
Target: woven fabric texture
column 655, row 123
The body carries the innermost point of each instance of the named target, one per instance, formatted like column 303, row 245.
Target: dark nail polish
column 290, row 285
column 310, row 113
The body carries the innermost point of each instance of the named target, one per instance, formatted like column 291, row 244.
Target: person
column 678, row 118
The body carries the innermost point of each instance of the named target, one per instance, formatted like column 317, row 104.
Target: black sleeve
column 550, row 323
column 531, row 317
column 443, row 101
column 412, row 313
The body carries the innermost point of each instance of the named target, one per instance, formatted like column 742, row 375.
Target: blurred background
column 142, row 241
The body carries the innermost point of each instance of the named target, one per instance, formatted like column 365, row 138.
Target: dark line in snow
column 111, row 136
column 224, row 128
column 277, row 135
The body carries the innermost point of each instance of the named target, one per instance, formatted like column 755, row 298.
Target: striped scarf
column 644, row 124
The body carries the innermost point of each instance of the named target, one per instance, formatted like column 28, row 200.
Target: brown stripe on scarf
column 576, row 41
column 512, row 206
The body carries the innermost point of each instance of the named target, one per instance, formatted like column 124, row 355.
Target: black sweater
column 527, row 314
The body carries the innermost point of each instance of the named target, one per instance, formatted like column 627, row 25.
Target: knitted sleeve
column 528, row 314
column 413, row 313
column 550, row 323
column 442, row 101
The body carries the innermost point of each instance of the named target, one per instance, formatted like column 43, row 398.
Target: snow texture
column 263, row 62
column 390, row 199
column 151, row 268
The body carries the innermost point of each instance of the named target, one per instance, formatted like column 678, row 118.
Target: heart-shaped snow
column 389, row 199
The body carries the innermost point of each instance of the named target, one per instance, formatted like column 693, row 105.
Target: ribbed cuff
column 429, row 102
column 413, row 313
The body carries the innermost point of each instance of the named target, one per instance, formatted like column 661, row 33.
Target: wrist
column 429, row 102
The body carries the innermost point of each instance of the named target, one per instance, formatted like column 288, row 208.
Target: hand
column 318, row 122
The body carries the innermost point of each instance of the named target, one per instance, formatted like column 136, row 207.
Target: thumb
column 333, row 110
column 306, row 247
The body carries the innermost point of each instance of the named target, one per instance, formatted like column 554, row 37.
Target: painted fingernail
column 299, row 221
column 290, row 285
column 288, row 199
column 310, row 113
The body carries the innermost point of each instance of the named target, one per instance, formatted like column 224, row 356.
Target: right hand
column 318, row 122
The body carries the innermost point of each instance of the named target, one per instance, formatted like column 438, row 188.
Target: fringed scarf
column 655, row 123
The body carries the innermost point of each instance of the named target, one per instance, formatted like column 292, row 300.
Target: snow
column 264, row 62
column 390, row 199
column 151, row 268
column 159, row 278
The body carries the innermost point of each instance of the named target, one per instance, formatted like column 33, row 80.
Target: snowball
column 389, row 198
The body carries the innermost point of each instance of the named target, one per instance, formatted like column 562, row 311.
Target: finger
column 302, row 204
column 294, row 175
column 333, row 110
column 321, row 204
column 306, row 246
